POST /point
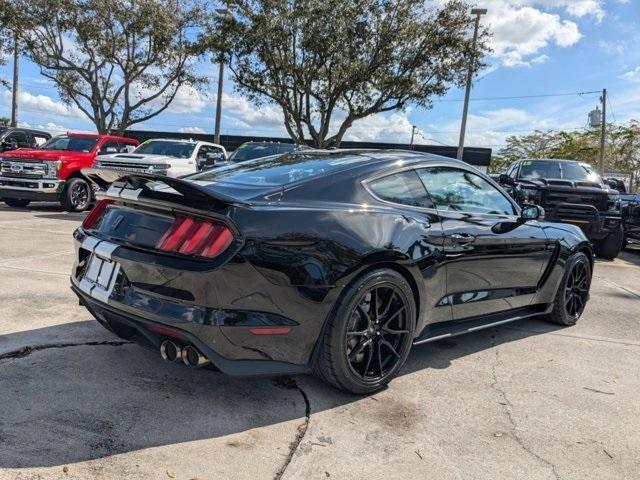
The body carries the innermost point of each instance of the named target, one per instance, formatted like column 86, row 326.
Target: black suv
column 13, row 138
column 570, row 192
column 631, row 218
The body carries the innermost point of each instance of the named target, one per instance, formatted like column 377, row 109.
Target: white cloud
column 521, row 32
column 188, row 100
column 53, row 128
column 42, row 104
column 633, row 75
column 191, row 130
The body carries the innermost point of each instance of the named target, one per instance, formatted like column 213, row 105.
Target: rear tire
column 369, row 335
column 16, row 202
column 573, row 293
column 610, row 246
column 76, row 196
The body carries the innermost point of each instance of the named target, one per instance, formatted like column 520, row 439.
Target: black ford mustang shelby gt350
column 335, row 262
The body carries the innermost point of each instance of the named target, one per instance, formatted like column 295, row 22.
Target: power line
column 514, row 97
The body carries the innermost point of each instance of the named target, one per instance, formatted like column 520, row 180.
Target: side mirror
column 532, row 212
column 505, row 179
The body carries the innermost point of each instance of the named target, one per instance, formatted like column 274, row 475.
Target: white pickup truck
column 166, row 156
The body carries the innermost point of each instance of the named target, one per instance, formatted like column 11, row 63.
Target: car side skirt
column 441, row 330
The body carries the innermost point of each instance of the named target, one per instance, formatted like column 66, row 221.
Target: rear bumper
column 216, row 308
column 31, row 189
column 142, row 331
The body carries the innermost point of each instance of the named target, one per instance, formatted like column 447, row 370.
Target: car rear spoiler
column 134, row 186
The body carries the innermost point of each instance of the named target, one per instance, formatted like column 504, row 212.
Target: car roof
column 362, row 164
column 22, row 129
column 552, row 160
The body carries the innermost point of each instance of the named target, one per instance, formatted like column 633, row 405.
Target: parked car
column 166, row 156
column 52, row 172
column 329, row 261
column 252, row 150
column 630, row 206
column 570, row 192
column 12, row 138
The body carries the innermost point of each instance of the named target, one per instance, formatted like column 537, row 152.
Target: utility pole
column 603, row 127
column 14, row 87
column 222, row 12
column 413, row 131
column 219, row 100
column 465, row 110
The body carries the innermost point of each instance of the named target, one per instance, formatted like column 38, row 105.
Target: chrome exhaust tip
column 170, row 352
column 192, row 357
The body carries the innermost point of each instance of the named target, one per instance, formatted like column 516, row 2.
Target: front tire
column 16, row 202
column 369, row 335
column 77, row 195
column 573, row 293
column 610, row 246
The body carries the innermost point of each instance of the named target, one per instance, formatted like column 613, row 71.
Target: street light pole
column 413, row 131
column 14, row 87
column 223, row 12
column 219, row 100
column 465, row 110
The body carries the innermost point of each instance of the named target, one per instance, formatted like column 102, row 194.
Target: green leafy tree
column 329, row 63
column 119, row 62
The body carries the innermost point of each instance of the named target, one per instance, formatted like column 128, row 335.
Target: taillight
column 96, row 213
column 194, row 236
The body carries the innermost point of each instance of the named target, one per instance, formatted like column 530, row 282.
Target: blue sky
column 540, row 47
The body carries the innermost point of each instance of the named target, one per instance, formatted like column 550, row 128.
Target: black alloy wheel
column 576, row 290
column 377, row 332
column 77, row 195
column 369, row 335
column 573, row 293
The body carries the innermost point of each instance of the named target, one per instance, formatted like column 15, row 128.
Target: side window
column 513, row 170
column 20, row 138
column 110, row 147
column 403, row 187
column 462, row 191
column 39, row 139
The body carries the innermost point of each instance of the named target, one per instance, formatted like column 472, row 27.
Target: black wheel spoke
column 379, row 358
column 390, row 347
column 357, row 350
column 378, row 333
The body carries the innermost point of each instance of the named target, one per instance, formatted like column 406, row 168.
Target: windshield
column 279, row 170
column 167, row 148
column 71, row 144
column 251, row 151
column 558, row 169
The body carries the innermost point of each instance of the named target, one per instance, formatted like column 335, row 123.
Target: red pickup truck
column 52, row 171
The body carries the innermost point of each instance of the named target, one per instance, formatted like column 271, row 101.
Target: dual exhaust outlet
column 190, row 355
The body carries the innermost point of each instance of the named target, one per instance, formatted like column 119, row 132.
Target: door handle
column 462, row 238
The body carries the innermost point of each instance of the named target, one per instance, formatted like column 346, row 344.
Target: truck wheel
column 77, row 195
column 16, row 202
column 610, row 246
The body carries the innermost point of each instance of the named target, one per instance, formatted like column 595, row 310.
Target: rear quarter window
column 404, row 188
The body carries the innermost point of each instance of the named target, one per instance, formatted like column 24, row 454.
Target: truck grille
column 552, row 198
column 125, row 167
column 15, row 169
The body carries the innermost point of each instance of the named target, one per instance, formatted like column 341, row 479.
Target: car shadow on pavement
column 52, row 211
column 71, row 403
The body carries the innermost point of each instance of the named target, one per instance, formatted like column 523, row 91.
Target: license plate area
column 101, row 274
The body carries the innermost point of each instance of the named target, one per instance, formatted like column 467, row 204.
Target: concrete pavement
column 528, row 400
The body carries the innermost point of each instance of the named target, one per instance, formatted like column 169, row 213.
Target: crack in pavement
column 292, row 384
column 614, row 284
column 29, row 349
column 508, row 407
